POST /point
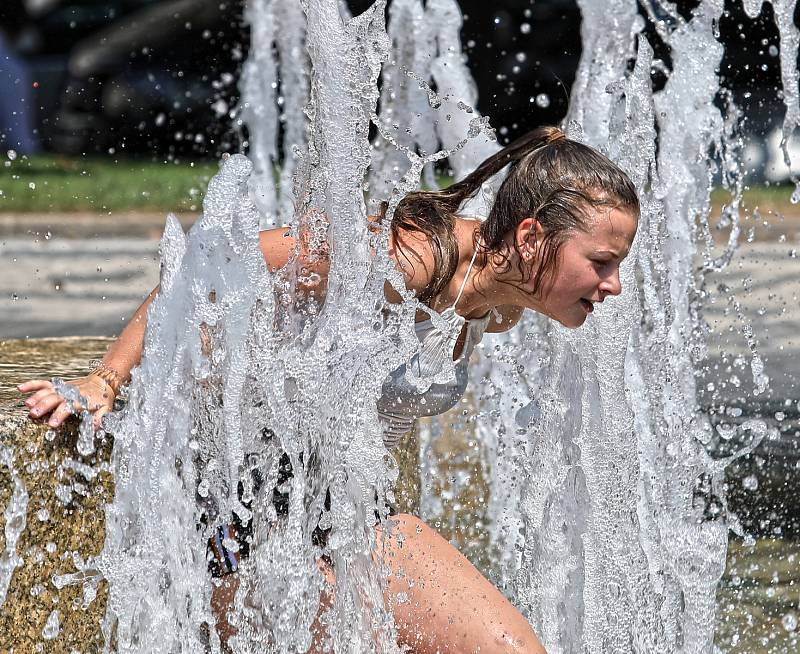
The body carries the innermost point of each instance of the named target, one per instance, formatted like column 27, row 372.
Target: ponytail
column 433, row 213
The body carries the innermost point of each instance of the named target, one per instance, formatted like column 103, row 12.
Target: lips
column 588, row 306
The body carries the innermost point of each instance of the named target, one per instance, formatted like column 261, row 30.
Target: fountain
column 601, row 468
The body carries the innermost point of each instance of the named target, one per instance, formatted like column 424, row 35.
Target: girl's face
column 587, row 270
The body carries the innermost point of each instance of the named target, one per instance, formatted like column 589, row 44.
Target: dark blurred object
column 16, row 106
column 137, row 75
column 163, row 75
column 523, row 56
column 14, row 17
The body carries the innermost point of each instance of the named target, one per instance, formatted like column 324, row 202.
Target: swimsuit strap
column 466, row 277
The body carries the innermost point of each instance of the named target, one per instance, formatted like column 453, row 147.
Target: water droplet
column 789, row 621
column 525, row 28
column 220, row 107
column 750, row 482
column 32, row 186
column 773, row 51
column 543, row 100
column 521, row 57
column 11, row 154
column 52, row 626
column 726, row 432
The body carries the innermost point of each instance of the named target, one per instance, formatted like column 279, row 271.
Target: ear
column 528, row 234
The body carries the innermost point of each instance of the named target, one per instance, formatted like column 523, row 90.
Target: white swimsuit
column 431, row 382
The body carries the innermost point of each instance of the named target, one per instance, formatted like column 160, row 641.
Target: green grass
column 51, row 183
column 758, row 196
column 56, row 184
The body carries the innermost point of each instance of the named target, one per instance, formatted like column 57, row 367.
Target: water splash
column 274, row 86
column 618, row 554
column 415, row 120
column 86, row 433
column 15, row 515
column 258, row 108
column 220, row 336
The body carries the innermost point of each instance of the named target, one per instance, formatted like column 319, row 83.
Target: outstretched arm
column 100, row 387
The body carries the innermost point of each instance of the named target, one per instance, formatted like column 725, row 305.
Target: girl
column 562, row 221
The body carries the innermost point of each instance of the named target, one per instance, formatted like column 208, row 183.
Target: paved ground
column 62, row 287
column 765, row 280
column 76, row 274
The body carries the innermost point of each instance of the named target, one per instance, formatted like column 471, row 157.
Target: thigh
column 441, row 603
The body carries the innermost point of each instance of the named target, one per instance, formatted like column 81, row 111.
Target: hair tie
column 556, row 135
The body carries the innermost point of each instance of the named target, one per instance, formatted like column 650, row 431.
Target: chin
column 573, row 322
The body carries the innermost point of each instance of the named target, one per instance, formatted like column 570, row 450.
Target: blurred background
column 158, row 78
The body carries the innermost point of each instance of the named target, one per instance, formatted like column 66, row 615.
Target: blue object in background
column 16, row 124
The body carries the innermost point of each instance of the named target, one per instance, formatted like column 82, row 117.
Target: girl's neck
column 480, row 295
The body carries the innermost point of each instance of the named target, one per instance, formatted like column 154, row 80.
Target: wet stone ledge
column 63, row 526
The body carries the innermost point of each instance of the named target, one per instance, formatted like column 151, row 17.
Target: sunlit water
column 606, row 475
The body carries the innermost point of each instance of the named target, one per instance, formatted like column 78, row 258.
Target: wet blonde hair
column 550, row 178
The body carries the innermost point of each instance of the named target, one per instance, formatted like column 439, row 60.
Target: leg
column 442, row 604
column 223, row 592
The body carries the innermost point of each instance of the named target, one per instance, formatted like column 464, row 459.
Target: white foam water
column 618, row 553
column 15, row 517
column 274, row 88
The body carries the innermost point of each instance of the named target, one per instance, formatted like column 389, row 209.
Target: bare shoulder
column 509, row 317
column 411, row 251
column 276, row 245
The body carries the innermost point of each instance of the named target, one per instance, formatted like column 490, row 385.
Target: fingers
column 31, row 401
column 45, row 405
column 61, row 414
column 54, row 404
column 97, row 419
column 44, row 401
column 34, row 385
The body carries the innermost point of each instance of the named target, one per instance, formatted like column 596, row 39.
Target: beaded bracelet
column 107, row 374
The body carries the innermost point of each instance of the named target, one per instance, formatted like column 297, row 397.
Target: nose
column 611, row 285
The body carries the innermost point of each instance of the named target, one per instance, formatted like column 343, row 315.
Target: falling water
column 274, row 89
column 619, row 552
column 600, row 457
column 15, row 518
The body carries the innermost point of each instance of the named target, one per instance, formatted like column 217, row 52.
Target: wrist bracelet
column 107, row 374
